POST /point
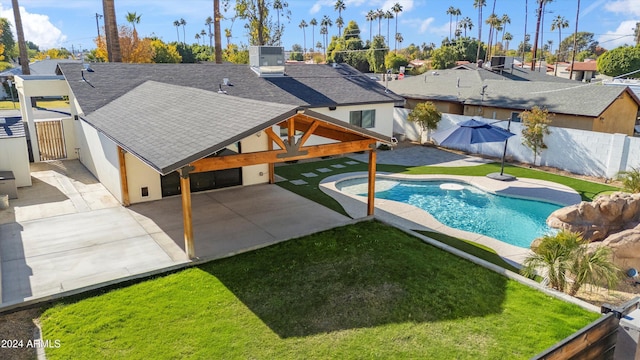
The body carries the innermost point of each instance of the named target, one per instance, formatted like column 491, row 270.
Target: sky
column 72, row 23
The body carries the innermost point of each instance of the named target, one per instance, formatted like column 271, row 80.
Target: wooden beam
column 187, row 217
column 371, row 189
column 124, row 185
column 291, row 130
column 277, row 156
column 308, row 133
column 272, row 168
column 275, row 138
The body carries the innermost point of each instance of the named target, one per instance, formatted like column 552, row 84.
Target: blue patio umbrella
column 476, row 132
column 471, row 132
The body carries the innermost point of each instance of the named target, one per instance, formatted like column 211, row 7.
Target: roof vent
column 267, row 61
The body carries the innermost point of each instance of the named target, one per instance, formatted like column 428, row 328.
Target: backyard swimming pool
column 458, row 205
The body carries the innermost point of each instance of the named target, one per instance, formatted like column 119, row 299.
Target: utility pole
column 575, row 43
column 98, row 16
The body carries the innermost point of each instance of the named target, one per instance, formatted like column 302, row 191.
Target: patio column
column 187, row 219
column 124, row 185
column 371, row 190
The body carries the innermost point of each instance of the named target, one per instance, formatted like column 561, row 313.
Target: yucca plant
column 630, row 180
column 593, row 266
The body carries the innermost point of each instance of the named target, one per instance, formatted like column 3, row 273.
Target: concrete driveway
column 67, row 233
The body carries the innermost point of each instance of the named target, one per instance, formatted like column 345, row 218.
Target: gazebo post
column 187, row 218
column 371, row 190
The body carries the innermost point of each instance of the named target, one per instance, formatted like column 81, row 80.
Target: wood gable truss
column 346, row 139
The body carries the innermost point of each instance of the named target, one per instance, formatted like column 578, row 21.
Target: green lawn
column 361, row 291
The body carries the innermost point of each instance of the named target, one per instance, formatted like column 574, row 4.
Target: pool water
column 465, row 207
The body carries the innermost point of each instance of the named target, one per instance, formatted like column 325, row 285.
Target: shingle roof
column 11, row 127
column 304, row 85
column 168, row 126
column 465, row 86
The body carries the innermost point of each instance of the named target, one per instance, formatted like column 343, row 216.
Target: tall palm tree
column 278, row 6
column 493, row 21
column 303, row 25
column 203, row 34
column 450, row 11
column 388, row 15
column 575, row 40
column 534, row 51
column 176, row 23
column 111, row 29
column 313, row 24
column 197, row 37
column 371, row 15
column 379, row 16
column 22, row 44
column 217, row 16
column 208, row 22
column 524, row 36
column 133, row 19
column 324, row 32
column 559, row 23
column 183, row 22
column 457, row 13
column 397, row 8
column 466, row 24
column 339, row 24
column 506, row 38
column 504, row 20
column 479, row 4
column 339, row 7
column 326, row 23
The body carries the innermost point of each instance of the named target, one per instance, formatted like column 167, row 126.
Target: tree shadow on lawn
column 362, row 275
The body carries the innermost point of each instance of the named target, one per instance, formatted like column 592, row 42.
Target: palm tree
column 593, row 267
column 457, row 13
column 217, row 16
column 303, row 25
column 493, row 21
column 208, row 21
column 313, row 24
column 559, row 23
column 22, row 44
column 450, row 11
column 183, row 22
column 176, row 23
column 506, row 38
column 133, row 19
column 504, row 20
column 479, row 4
column 397, row 8
column 324, row 32
column 399, row 38
column 111, row 29
column 277, row 6
column 388, row 15
column 339, row 23
column 534, row 51
column 371, row 15
column 203, row 34
column 575, row 40
column 466, row 24
column 379, row 16
column 197, row 37
column 339, row 6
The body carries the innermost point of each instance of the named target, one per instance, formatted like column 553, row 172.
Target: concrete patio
column 67, row 233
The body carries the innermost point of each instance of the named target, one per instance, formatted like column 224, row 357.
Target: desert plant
column 426, row 115
column 535, row 125
column 630, row 180
column 566, row 257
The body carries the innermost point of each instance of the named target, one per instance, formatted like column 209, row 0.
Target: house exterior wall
column 100, row 156
column 255, row 174
column 384, row 118
column 14, row 156
column 620, row 117
column 141, row 175
column 69, row 133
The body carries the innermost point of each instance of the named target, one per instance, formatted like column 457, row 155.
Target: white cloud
column 425, row 25
column 407, row 5
column 37, row 28
column 624, row 7
column 621, row 36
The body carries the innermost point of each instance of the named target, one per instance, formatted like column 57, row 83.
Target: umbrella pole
column 504, row 152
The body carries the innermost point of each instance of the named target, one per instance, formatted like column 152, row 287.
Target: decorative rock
column 598, row 219
column 625, row 246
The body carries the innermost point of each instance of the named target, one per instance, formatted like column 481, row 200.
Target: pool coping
column 411, row 217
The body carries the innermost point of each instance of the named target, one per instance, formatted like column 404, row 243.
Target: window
column 363, row 118
column 515, row 117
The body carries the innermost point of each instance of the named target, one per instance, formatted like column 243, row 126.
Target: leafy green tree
column 296, row 53
column 236, row 55
column 376, row 54
column 630, row 180
column 6, row 39
column 444, row 57
column 186, row 52
column 258, row 21
column 426, row 115
column 165, row 53
column 584, row 41
column 535, row 125
column 394, row 61
column 621, row 60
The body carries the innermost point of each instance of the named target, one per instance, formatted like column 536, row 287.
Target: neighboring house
column 504, row 95
column 584, row 71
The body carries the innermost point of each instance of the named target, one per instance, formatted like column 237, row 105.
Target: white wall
column 255, row 174
column 68, row 125
column 578, row 151
column 100, row 156
column 384, row 119
column 14, row 156
column 141, row 175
